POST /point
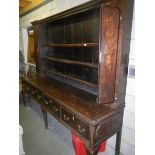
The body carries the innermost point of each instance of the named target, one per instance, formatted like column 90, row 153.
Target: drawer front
column 55, row 107
column 52, row 106
column 36, row 94
column 82, row 128
column 47, row 101
column 68, row 117
column 76, row 123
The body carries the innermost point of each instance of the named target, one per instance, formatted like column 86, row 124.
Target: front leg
column 45, row 118
column 118, row 142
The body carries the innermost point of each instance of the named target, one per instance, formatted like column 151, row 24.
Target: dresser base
column 93, row 133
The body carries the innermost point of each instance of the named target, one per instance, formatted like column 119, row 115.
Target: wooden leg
column 45, row 118
column 24, row 98
column 118, row 142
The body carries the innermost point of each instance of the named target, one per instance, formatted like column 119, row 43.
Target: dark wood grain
column 109, row 30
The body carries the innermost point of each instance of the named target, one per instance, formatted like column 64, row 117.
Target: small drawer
column 68, row 117
column 82, row 128
column 38, row 95
column 47, row 101
column 55, row 108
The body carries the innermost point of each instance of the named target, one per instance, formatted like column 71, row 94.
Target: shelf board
column 72, row 62
column 74, row 45
column 73, row 78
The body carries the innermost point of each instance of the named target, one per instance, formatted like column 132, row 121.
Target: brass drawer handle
column 73, row 118
column 55, row 109
column 46, row 102
column 82, row 130
column 66, row 118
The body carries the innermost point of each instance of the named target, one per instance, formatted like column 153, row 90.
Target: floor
column 56, row 140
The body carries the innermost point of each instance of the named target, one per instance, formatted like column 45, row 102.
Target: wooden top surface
column 78, row 101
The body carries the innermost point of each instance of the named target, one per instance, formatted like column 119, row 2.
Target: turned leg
column 45, row 118
column 24, row 98
column 118, row 142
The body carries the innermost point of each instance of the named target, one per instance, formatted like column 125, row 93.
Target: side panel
column 39, row 40
column 108, row 53
column 107, row 128
column 36, row 29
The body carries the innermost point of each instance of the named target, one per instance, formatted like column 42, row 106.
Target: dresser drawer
column 52, row 105
column 47, row 101
column 82, row 128
column 68, row 117
column 55, row 107
column 36, row 94
column 75, row 122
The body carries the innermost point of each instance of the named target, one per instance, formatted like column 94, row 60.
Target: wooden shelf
column 73, row 78
column 72, row 62
column 74, row 45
